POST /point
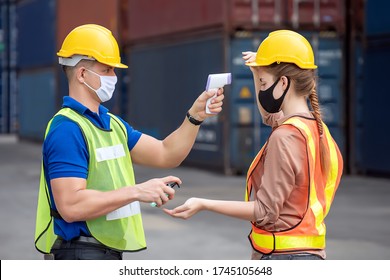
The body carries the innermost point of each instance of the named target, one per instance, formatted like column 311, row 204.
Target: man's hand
column 198, row 109
column 156, row 190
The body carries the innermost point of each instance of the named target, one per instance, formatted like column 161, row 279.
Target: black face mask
column 267, row 100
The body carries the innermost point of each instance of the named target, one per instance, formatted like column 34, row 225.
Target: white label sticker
column 112, row 152
column 125, row 211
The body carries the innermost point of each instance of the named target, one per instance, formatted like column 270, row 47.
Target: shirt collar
column 72, row 103
column 101, row 120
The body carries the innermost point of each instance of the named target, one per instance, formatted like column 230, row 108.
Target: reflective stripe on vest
column 109, row 168
column 310, row 232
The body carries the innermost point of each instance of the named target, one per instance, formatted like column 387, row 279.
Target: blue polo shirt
column 65, row 154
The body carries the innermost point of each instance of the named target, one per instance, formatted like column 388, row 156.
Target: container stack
column 42, row 26
column 369, row 55
column 173, row 45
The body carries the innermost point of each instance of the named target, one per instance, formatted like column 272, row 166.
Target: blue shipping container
column 376, row 18
column 165, row 80
column 36, row 26
column 372, row 130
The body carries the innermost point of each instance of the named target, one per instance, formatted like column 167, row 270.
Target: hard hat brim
column 253, row 63
column 118, row 65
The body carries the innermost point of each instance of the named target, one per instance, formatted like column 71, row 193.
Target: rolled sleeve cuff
column 57, row 175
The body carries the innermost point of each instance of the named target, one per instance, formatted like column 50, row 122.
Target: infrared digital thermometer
column 214, row 82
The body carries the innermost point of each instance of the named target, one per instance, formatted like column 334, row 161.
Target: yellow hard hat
column 92, row 42
column 285, row 46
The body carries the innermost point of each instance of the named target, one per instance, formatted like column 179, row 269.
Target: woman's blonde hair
column 305, row 83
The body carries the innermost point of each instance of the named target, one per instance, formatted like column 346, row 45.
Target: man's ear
column 79, row 73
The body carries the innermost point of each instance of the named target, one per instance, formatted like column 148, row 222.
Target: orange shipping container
column 158, row 18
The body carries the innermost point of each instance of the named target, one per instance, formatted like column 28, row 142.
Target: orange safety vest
column 310, row 232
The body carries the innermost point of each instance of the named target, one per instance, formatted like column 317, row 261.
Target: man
column 88, row 206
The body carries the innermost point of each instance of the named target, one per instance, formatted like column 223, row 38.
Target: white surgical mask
column 107, row 86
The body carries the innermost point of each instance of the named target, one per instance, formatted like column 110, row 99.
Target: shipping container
column 371, row 106
column 162, row 17
column 36, row 25
column 159, row 18
column 368, row 54
column 72, row 13
column 376, row 18
column 229, row 141
column 165, row 80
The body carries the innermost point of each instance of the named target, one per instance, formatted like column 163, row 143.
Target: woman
column 292, row 181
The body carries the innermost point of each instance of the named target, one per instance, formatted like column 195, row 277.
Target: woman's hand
column 188, row 209
column 249, row 56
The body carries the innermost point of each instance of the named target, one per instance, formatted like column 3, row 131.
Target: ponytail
column 324, row 156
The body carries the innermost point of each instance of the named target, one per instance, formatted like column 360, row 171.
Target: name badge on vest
column 125, row 211
column 112, row 152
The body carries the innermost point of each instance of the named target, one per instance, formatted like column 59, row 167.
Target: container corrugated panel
column 374, row 131
column 255, row 15
column 244, row 146
column 338, row 135
column 241, row 148
column 317, row 15
column 165, row 80
column 160, row 17
column 37, row 102
column 72, row 13
column 329, row 56
column 376, row 18
column 36, row 33
column 329, row 90
column 246, row 133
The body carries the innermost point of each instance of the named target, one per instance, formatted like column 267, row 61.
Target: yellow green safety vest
column 110, row 168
